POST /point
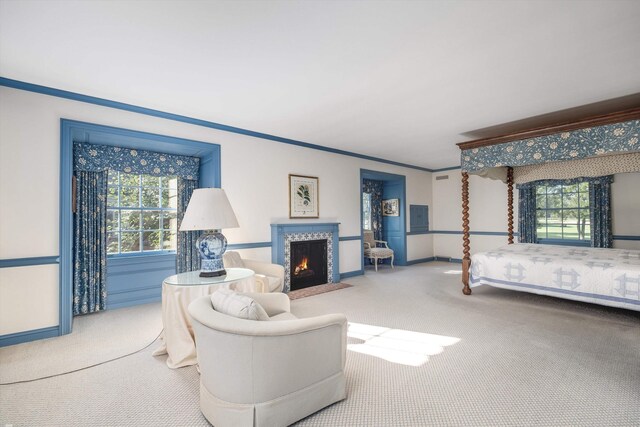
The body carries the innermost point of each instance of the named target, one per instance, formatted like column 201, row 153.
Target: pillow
column 237, row 305
column 232, row 259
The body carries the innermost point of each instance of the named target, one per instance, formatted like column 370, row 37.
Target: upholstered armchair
column 375, row 253
column 271, row 276
column 267, row 372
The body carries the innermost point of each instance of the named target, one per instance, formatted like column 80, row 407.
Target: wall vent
column 438, row 178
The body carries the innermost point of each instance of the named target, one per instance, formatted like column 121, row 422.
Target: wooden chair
column 375, row 253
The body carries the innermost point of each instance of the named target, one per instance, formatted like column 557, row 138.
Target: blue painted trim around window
column 351, row 274
column 234, row 246
column 23, row 262
column 621, row 237
column 16, row 84
column 27, row 336
column 70, row 130
column 420, row 260
column 347, row 238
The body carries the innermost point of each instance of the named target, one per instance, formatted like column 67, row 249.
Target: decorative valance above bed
column 576, row 144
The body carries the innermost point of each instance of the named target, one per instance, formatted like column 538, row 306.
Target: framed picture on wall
column 303, row 197
column 390, row 207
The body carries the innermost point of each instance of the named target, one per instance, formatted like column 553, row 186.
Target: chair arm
column 265, row 268
column 273, row 303
column 367, row 245
column 383, row 242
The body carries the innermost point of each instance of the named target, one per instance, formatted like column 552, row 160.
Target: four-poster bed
column 562, row 151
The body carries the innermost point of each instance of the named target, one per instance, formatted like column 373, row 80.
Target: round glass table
column 178, row 291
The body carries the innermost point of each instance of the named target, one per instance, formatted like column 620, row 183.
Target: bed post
column 510, row 202
column 466, row 259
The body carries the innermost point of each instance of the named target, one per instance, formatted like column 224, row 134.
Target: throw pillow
column 232, row 259
column 237, row 305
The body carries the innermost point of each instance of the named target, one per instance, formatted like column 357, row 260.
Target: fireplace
column 308, row 263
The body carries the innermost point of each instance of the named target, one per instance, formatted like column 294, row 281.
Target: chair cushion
column 237, row 305
column 233, row 259
column 381, row 252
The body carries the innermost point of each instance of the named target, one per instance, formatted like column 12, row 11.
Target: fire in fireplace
column 308, row 263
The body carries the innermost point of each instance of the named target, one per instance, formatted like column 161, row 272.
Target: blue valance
column 577, row 144
column 608, row 179
column 95, row 158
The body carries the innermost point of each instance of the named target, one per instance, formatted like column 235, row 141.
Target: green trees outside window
column 562, row 212
column 141, row 213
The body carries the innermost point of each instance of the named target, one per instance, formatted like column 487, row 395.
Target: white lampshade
column 208, row 209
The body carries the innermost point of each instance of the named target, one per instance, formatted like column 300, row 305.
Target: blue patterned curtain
column 187, row 257
column 374, row 188
column 527, row 215
column 92, row 157
column 600, row 212
column 90, row 243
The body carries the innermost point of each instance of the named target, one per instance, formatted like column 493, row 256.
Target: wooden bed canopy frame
column 600, row 120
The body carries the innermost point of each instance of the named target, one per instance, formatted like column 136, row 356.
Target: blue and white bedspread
column 602, row 276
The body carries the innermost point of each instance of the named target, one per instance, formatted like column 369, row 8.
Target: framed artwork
column 390, row 207
column 303, row 197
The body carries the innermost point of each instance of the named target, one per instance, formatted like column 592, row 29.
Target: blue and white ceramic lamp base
column 212, row 246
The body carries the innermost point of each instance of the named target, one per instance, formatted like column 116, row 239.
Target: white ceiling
column 399, row 80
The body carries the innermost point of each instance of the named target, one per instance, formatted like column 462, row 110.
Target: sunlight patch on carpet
column 397, row 345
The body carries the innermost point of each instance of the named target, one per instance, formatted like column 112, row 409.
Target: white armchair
column 375, row 253
column 270, row 276
column 267, row 373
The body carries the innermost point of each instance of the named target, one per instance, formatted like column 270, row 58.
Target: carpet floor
column 96, row 338
column 420, row 354
column 316, row 290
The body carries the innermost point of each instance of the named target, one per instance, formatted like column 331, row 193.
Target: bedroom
column 329, row 91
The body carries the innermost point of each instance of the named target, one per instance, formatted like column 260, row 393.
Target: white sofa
column 270, row 276
column 267, row 373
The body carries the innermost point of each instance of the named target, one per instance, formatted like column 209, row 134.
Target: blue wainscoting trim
column 474, row 233
column 414, row 233
column 621, row 237
column 138, row 279
column 249, row 245
column 347, row 238
column 23, row 262
column 351, row 274
column 27, row 336
column 16, row 84
column 420, row 260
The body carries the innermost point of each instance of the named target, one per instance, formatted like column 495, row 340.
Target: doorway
column 392, row 228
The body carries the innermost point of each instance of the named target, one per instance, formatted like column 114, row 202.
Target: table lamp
column 209, row 209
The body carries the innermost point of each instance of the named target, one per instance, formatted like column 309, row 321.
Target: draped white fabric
column 591, row 167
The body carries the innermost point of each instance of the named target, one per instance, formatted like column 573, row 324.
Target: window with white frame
column 141, row 213
column 366, row 211
column 562, row 212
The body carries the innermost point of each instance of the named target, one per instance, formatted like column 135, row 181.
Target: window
column 141, row 213
column 562, row 212
column 366, row 211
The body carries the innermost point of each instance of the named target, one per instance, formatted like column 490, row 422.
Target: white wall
column 488, row 211
column 254, row 175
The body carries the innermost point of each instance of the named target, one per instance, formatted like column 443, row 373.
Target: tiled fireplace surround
column 283, row 234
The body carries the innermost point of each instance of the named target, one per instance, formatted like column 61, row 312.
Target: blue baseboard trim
column 16, row 84
column 27, row 336
column 351, row 274
column 347, row 238
column 23, row 262
column 621, row 237
column 131, row 303
column 449, row 259
column 249, row 245
column 420, row 260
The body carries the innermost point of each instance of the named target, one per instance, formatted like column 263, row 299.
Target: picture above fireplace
column 308, row 263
